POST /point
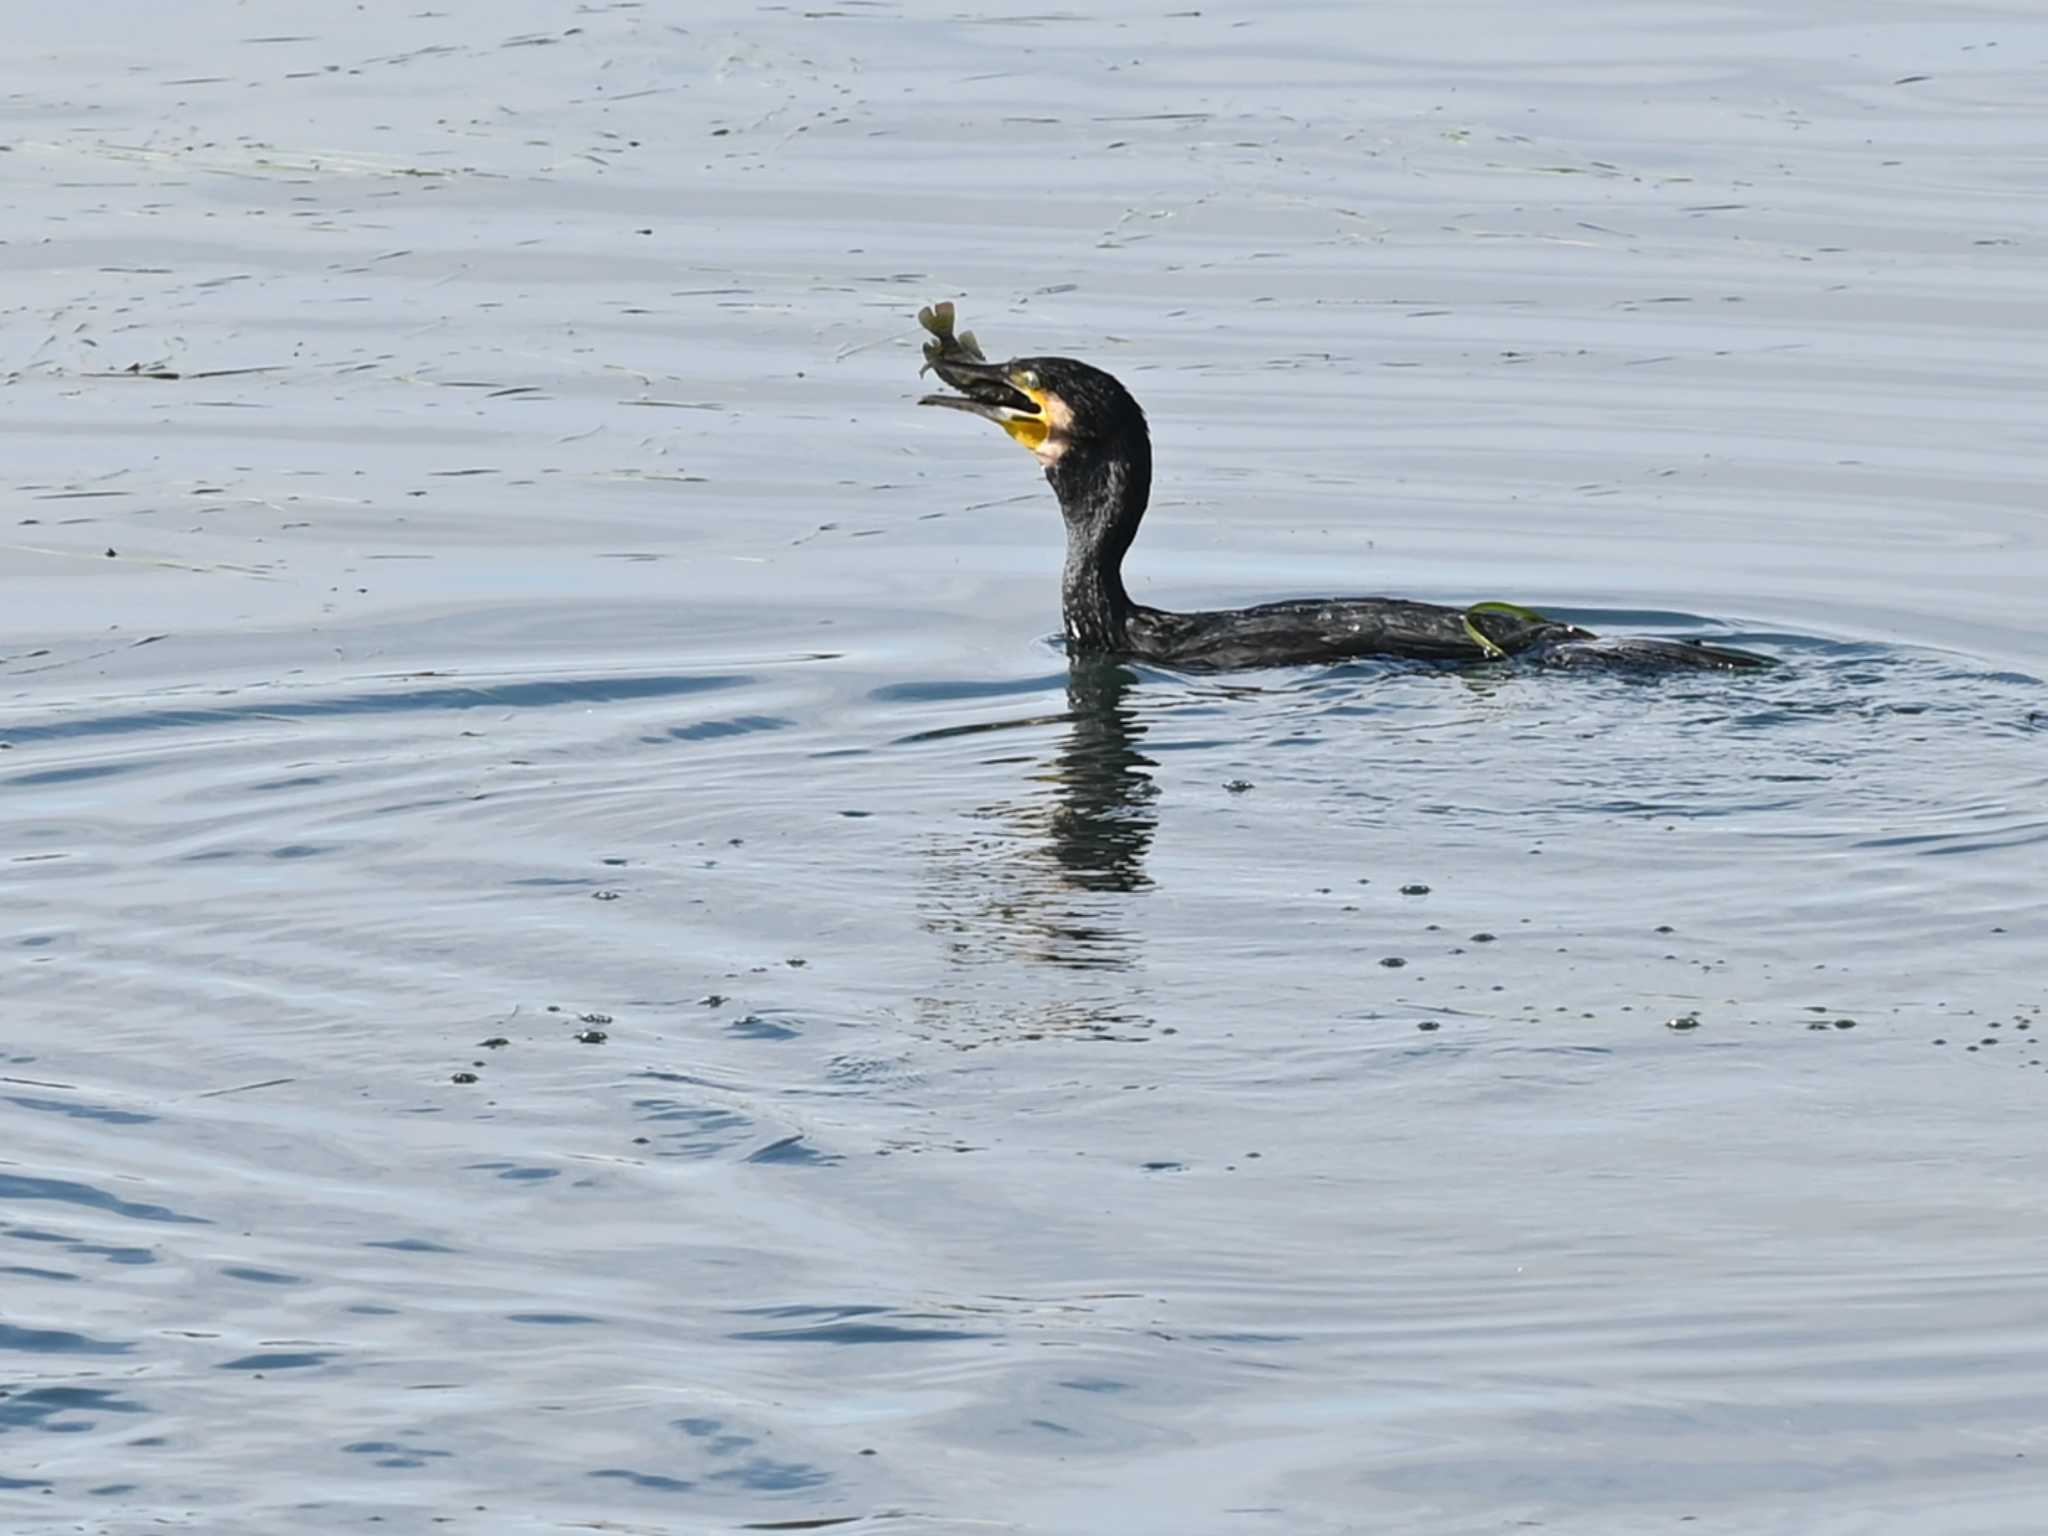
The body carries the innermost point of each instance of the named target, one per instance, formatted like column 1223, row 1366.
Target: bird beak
column 986, row 390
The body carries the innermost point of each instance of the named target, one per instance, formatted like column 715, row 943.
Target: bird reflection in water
column 1048, row 878
column 1101, row 818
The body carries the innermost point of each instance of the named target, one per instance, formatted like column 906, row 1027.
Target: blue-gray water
column 1009, row 1117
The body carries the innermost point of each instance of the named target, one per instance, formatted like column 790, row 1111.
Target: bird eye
column 1028, row 378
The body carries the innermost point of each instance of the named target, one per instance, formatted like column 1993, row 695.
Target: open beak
column 986, row 390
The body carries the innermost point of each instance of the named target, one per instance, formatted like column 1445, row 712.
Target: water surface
column 475, row 578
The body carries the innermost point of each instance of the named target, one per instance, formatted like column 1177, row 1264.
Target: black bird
column 1090, row 435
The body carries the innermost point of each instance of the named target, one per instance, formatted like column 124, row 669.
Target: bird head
column 1067, row 413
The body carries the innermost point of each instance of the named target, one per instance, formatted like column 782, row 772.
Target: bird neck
column 1103, row 504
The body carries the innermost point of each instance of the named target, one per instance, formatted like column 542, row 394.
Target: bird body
column 1092, row 440
column 1324, row 629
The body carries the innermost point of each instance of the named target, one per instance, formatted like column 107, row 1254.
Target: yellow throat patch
column 1031, row 431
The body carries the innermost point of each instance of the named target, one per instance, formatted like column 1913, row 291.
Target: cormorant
column 1090, row 435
